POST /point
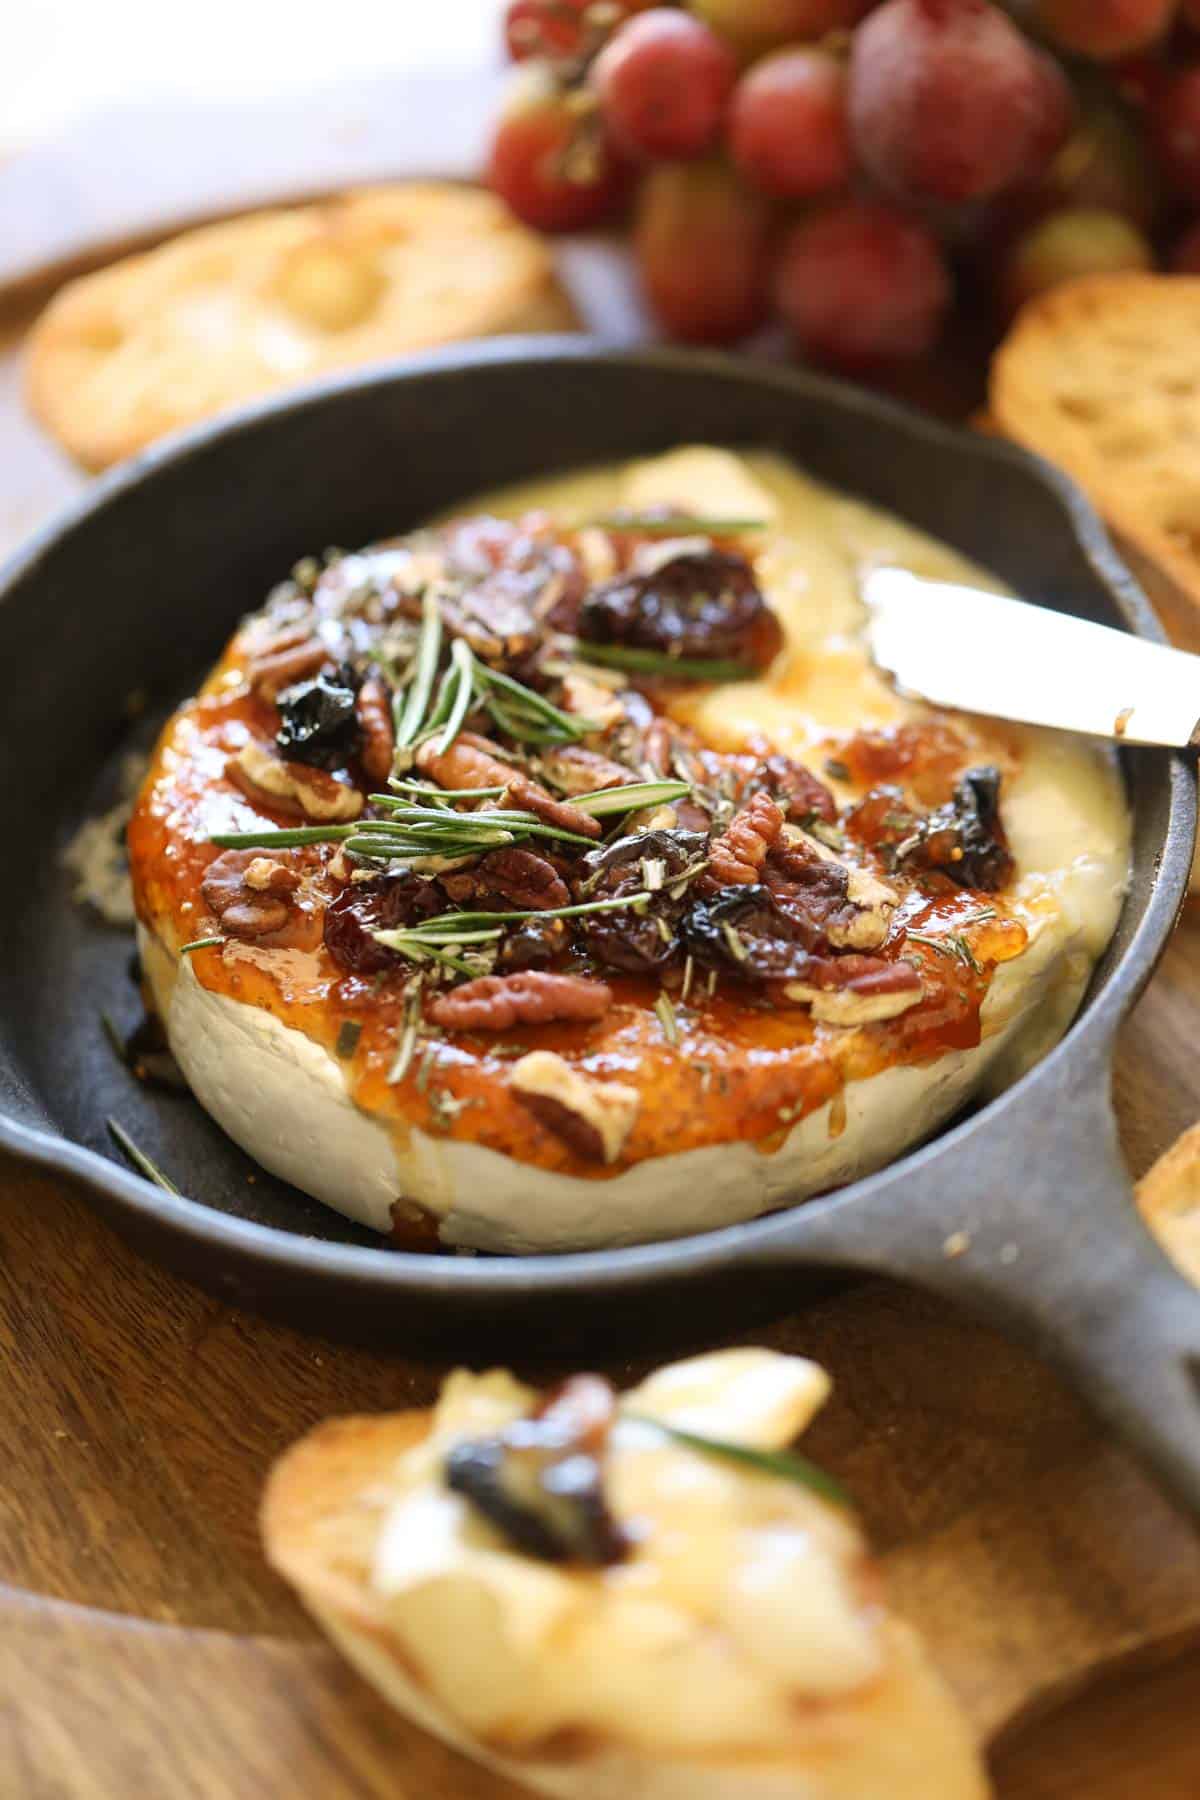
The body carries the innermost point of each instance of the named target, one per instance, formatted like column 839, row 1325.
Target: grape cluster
column 844, row 165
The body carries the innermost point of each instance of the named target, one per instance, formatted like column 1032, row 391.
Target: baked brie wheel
column 647, row 1598
column 564, row 875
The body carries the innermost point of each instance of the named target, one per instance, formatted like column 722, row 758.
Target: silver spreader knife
column 978, row 652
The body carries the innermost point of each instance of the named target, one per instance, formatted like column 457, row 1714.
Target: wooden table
column 144, row 1645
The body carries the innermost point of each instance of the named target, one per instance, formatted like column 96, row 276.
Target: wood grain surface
column 145, row 1647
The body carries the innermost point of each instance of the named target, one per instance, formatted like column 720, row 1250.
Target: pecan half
column 470, row 763
column 522, row 877
column 378, row 731
column 594, row 1117
column 292, row 788
column 531, row 997
column 579, row 771
column 737, row 856
column 252, row 896
column 856, row 990
column 291, row 655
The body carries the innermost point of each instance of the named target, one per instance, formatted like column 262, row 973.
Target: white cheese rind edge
column 284, row 1100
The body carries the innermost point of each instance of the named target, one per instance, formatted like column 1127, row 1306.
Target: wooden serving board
column 144, row 1644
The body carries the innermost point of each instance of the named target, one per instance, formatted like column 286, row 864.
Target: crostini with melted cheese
column 647, row 1597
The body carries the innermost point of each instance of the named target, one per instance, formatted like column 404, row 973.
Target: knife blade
column 981, row 652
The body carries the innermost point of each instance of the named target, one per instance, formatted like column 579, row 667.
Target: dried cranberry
column 382, row 905
column 704, row 604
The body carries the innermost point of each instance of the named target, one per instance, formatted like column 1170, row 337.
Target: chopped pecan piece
column 849, row 908
column 531, row 997
column 521, row 877
column 253, row 897
column 594, row 1117
column 376, row 727
column 291, row 655
column 738, row 855
column 292, row 788
column 589, row 700
column 857, row 990
column 579, row 771
column 470, row 763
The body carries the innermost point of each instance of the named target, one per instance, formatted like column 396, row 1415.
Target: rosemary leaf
column 429, row 648
column 631, row 798
column 675, row 525
column 270, row 838
column 116, row 1041
column 141, row 1162
column 349, row 1032
column 462, row 663
column 659, row 662
column 784, row 1465
column 199, row 944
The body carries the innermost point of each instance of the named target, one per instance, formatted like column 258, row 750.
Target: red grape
column 1105, row 29
column 948, row 101
column 664, row 81
column 1185, row 258
column 562, row 28
column 753, row 26
column 551, row 161
column 788, row 131
column 1066, row 245
column 701, row 240
column 544, row 27
column 860, row 284
column 1175, row 127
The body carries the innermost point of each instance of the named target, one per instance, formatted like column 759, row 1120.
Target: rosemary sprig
column 141, row 1162
column 429, row 940
column 661, row 662
column 433, row 794
column 410, row 717
column 674, row 525
column 272, row 838
column 525, row 714
column 604, row 801
column 785, row 1465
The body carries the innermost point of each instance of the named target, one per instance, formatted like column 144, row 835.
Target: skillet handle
column 1034, row 1227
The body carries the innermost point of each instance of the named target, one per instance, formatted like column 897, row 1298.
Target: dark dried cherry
column 318, row 723
column 698, row 604
column 745, row 931
column 381, row 905
column 964, row 840
column 643, row 940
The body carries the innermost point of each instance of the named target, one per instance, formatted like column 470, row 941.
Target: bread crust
column 226, row 312
column 322, row 1507
column 1168, row 1197
column 1102, row 377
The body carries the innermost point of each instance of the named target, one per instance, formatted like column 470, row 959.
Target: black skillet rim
column 270, row 1251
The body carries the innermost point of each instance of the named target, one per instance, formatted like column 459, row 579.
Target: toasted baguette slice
column 1102, row 377
column 1168, row 1196
column 901, row 1736
column 225, row 312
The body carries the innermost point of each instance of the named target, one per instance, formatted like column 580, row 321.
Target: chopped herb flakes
column 348, row 1035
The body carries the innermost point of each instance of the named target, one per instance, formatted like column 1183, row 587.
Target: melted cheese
column 739, row 1619
column 285, row 1100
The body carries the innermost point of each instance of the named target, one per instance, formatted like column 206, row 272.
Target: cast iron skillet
column 137, row 588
